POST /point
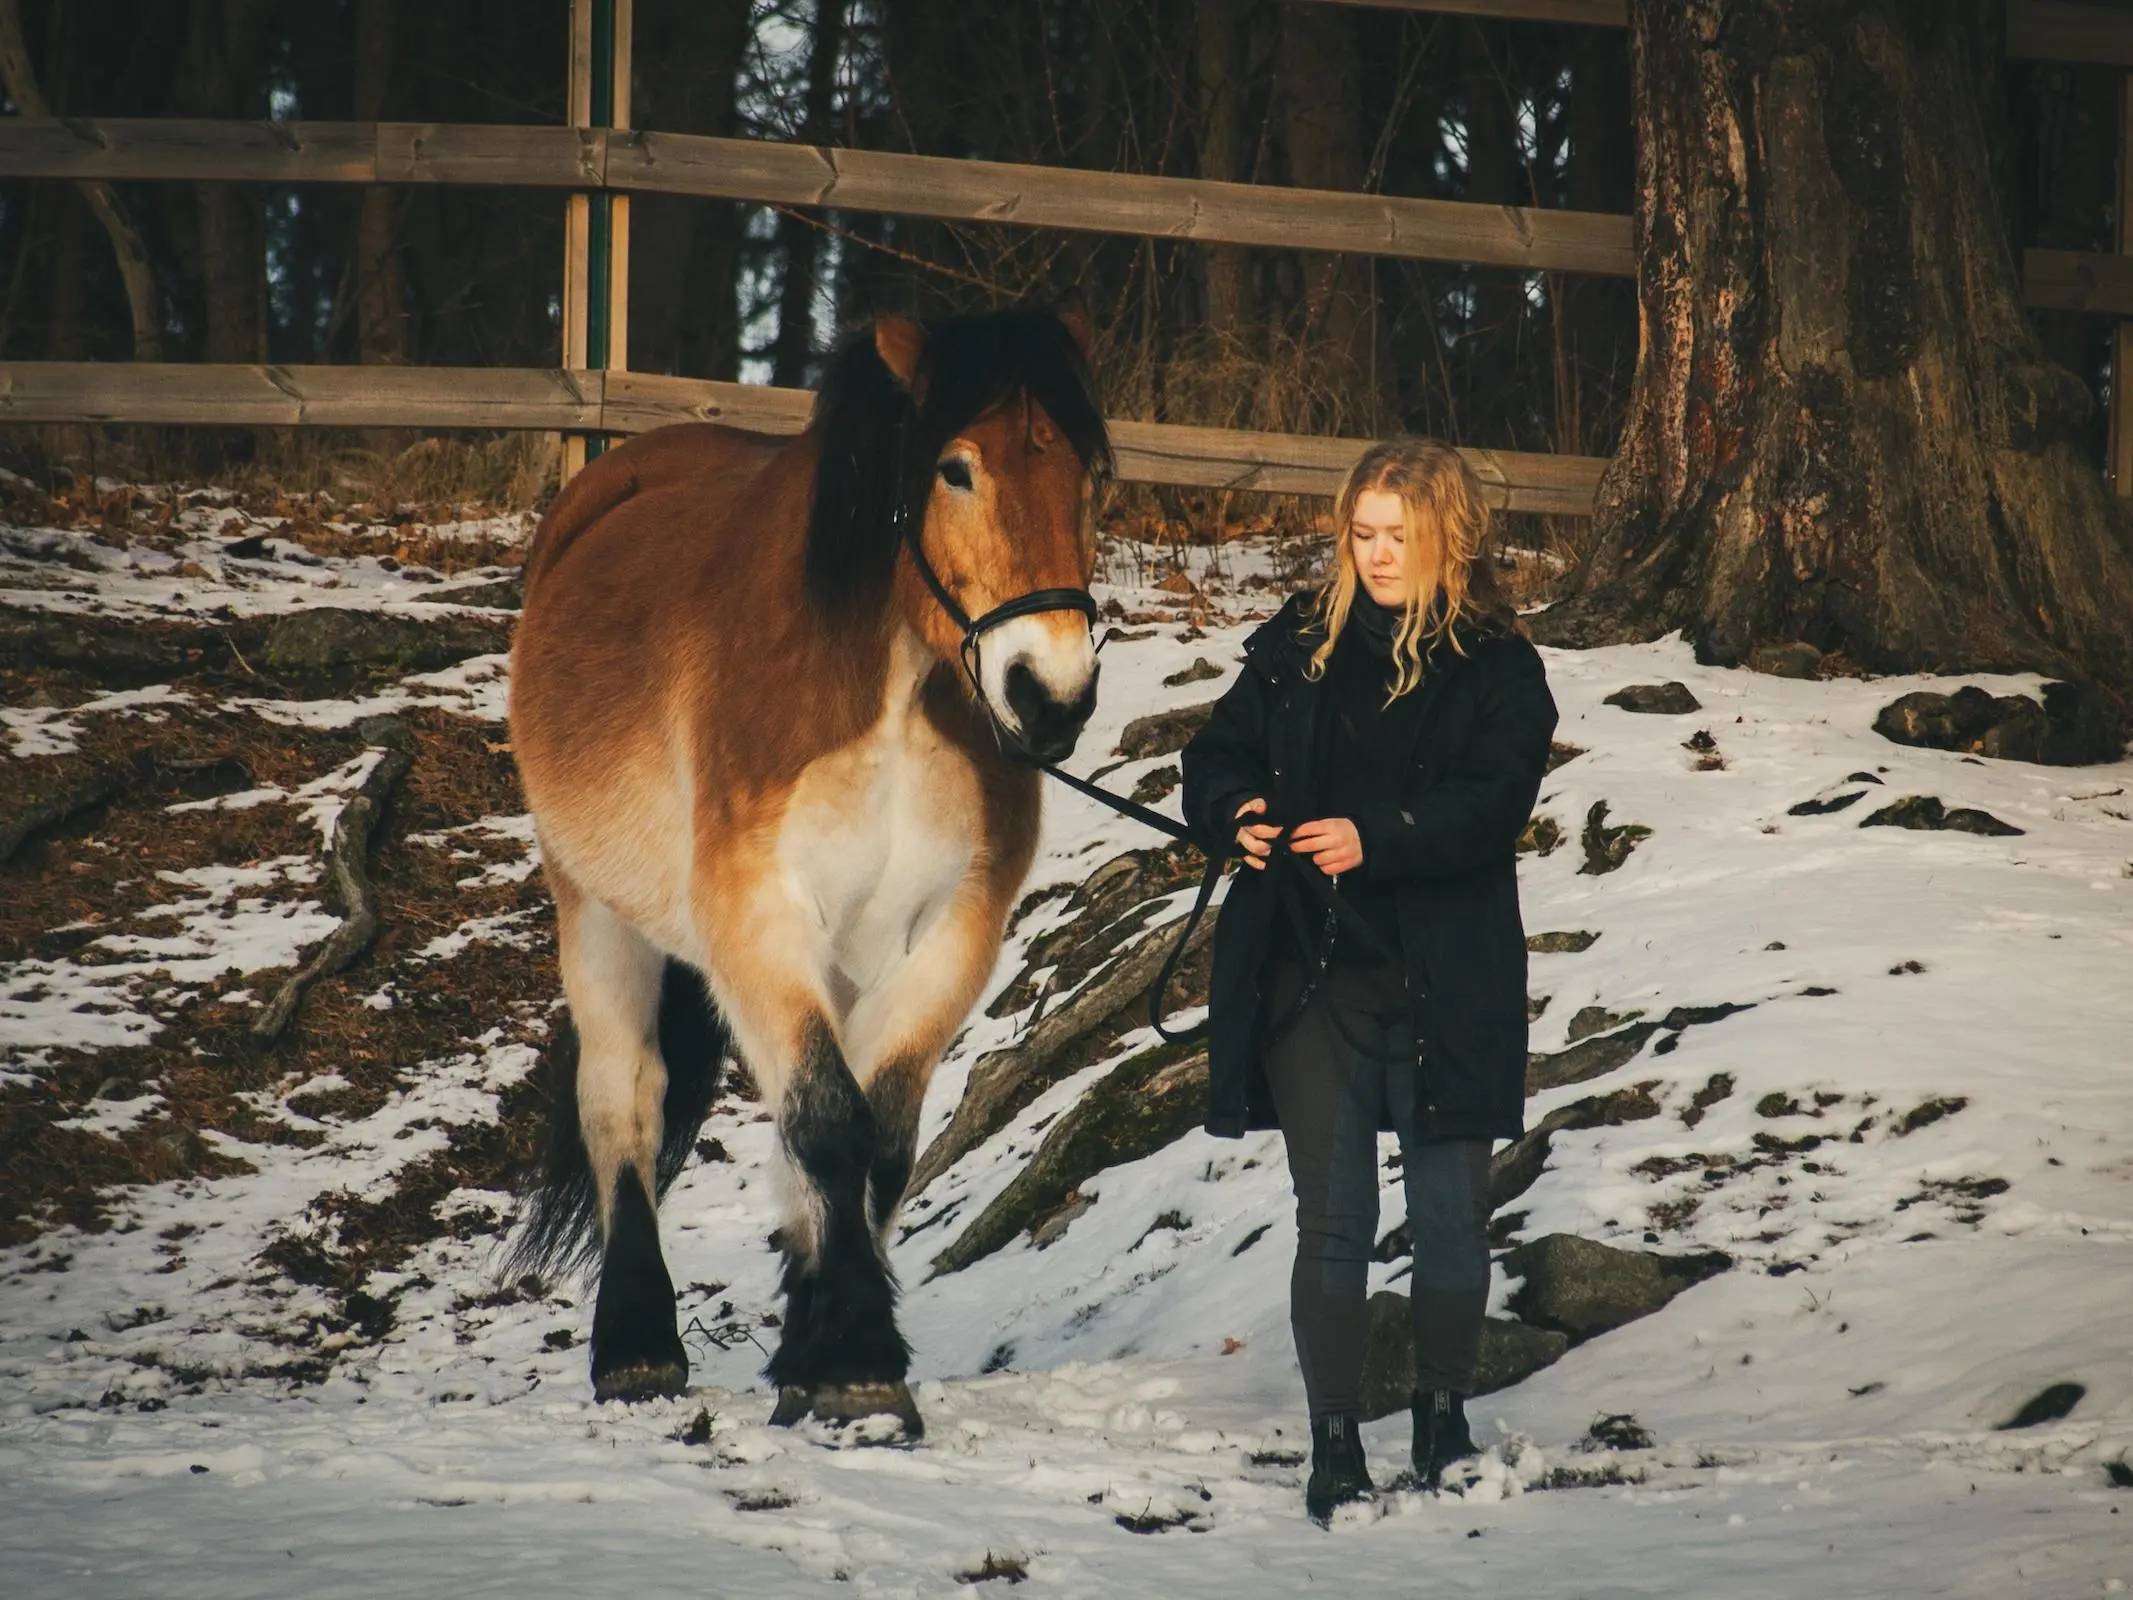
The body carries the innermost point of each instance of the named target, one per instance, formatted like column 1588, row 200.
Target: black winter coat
column 1448, row 845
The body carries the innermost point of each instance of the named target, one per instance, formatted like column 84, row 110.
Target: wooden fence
column 600, row 164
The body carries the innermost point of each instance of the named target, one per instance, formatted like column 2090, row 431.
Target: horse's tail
column 560, row 1231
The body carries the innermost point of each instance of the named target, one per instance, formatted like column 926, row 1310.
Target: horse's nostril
column 1047, row 725
column 1026, row 697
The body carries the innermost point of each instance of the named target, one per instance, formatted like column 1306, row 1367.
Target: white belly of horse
column 878, row 838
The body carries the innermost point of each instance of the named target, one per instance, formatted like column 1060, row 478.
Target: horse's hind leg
column 612, row 976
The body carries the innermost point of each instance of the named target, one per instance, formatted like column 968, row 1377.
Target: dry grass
column 97, row 870
column 379, row 474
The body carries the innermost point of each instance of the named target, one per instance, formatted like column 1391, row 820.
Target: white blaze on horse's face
column 1007, row 516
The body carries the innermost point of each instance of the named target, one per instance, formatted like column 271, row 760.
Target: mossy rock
column 1511, row 1352
column 1165, row 733
column 331, row 641
column 1145, row 1103
column 1582, row 1288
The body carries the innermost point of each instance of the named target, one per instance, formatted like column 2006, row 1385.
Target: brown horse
column 785, row 794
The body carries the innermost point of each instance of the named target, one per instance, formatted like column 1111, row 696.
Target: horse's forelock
column 879, row 444
column 977, row 363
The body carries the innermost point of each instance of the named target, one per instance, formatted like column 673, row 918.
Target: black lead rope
column 1339, row 915
column 1340, row 918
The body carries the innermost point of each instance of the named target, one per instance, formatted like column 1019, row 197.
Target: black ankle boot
column 1339, row 1473
column 1441, row 1434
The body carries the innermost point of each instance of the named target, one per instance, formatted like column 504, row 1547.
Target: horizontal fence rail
column 559, row 400
column 868, row 180
column 129, row 149
column 862, row 180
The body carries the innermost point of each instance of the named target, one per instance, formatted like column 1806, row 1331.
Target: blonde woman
column 1375, row 763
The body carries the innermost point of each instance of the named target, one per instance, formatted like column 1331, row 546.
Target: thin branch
column 345, row 865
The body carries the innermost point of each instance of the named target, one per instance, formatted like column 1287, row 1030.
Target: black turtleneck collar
column 1375, row 625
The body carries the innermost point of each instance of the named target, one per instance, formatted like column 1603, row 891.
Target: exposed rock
column 1928, row 1112
column 1110, row 907
column 1050, row 1229
column 1591, row 1058
column 2076, row 725
column 333, row 639
column 1582, row 1288
column 504, row 594
column 1201, row 671
column 1566, row 942
column 1144, row 1104
column 1154, row 785
column 1511, row 1352
column 1716, row 1088
column 1543, row 834
column 1164, row 733
column 1798, row 659
column 1607, row 848
column 1518, row 1166
column 1590, row 1020
column 1823, row 807
column 1925, row 811
column 123, row 653
column 2050, row 1405
column 1002, row 1082
column 1558, row 753
column 1656, row 699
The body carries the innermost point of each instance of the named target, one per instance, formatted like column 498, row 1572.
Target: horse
column 779, row 705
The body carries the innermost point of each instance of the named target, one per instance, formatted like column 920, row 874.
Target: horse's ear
column 1073, row 314
column 901, row 344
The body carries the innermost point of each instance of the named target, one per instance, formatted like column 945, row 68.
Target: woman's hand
column 1256, row 839
column 1332, row 843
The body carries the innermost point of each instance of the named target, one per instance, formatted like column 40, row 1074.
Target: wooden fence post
column 596, row 233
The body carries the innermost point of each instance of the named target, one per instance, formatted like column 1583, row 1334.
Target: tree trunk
column 798, row 237
column 1495, row 175
column 684, row 258
column 1598, row 329
column 1324, row 127
column 143, row 304
column 1222, row 51
column 217, row 76
column 380, row 291
column 1842, row 428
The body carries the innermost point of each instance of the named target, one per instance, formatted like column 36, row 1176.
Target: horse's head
column 998, row 445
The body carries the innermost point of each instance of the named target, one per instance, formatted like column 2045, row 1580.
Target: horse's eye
column 955, row 472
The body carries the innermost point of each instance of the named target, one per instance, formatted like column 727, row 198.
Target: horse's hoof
column 642, row 1380
column 855, row 1402
column 840, row 1404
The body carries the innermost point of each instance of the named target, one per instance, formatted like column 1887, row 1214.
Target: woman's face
column 1377, row 535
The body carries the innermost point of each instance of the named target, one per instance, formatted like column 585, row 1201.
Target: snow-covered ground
column 1120, row 1412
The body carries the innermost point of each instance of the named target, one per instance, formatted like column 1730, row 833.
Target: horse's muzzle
column 1046, row 727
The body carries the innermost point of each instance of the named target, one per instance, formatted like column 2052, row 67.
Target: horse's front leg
column 840, row 1354
column 897, row 1031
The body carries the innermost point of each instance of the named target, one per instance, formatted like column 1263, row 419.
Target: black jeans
column 1329, row 1095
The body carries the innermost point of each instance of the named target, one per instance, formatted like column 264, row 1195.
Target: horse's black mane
column 879, row 445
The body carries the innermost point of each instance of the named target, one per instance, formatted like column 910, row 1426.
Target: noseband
column 974, row 629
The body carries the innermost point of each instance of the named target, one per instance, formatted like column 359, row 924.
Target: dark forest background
column 1252, row 90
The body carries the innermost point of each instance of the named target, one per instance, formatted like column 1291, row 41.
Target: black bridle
column 974, row 628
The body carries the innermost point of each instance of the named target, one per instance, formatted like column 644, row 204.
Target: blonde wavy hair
column 1452, row 578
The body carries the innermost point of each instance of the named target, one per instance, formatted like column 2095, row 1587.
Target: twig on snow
column 345, row 865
